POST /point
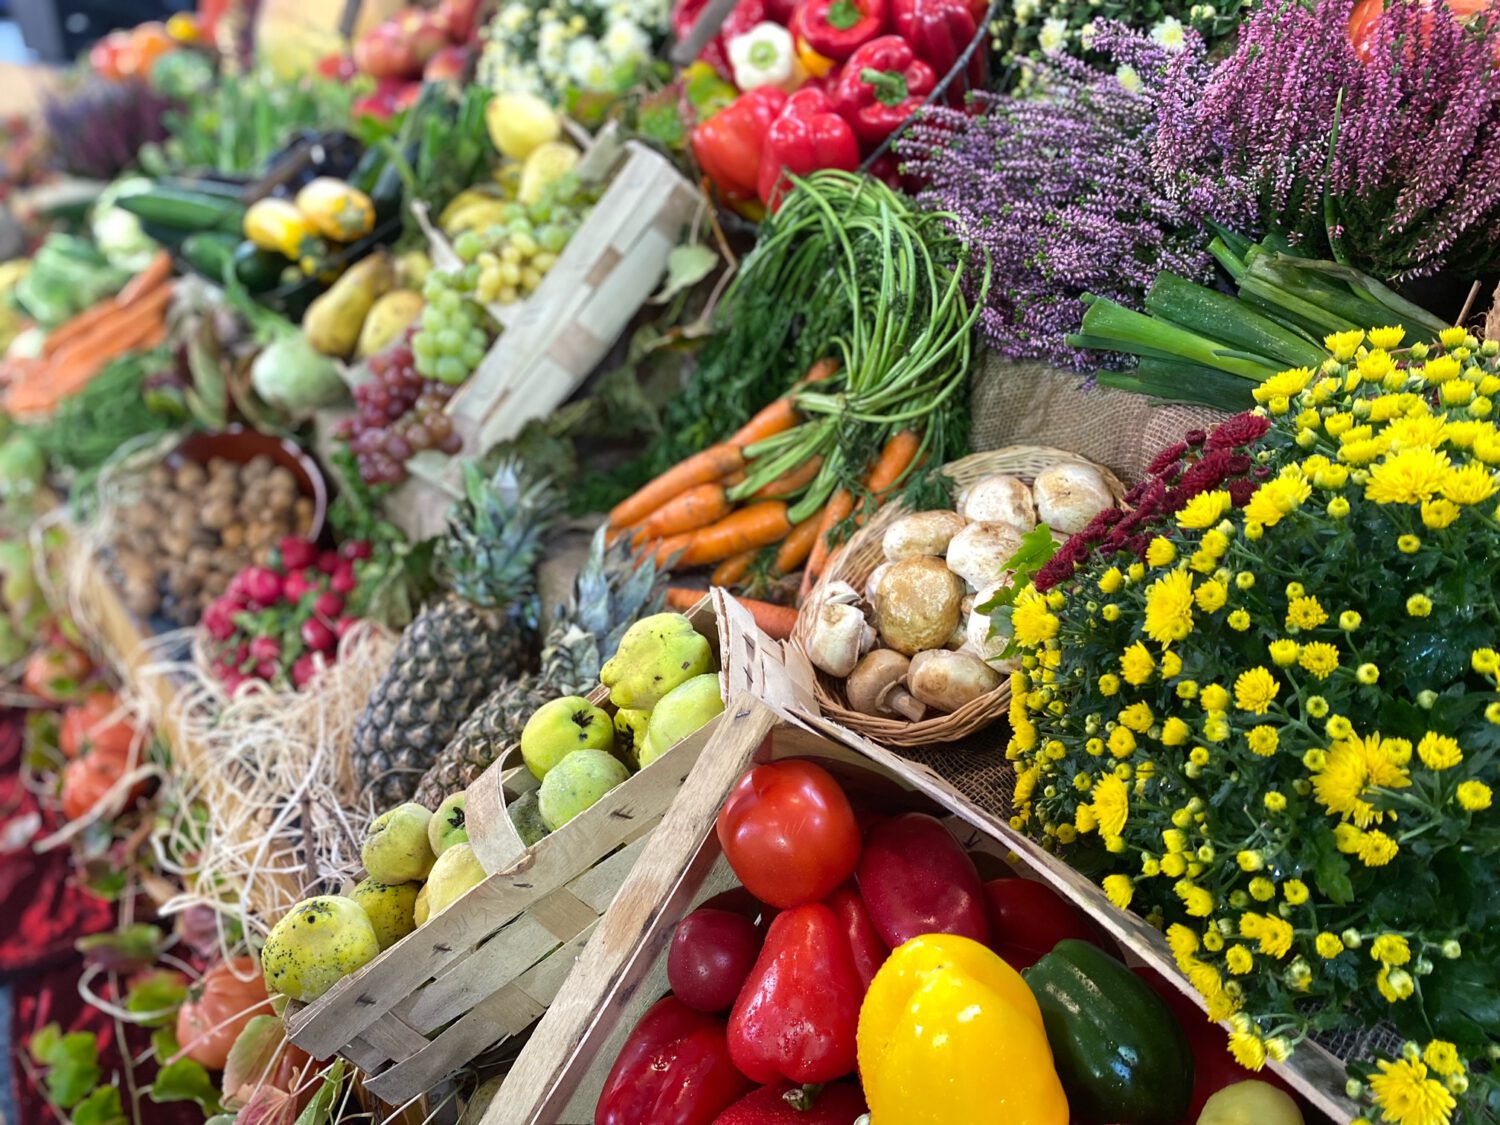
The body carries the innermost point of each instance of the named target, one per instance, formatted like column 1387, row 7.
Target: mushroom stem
column 896, row 698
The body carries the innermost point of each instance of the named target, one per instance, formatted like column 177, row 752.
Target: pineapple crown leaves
column 616, row 586
column 495, row 533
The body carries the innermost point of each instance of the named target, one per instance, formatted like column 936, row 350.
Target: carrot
column 758, row 525
column 732, row 569
column 894, row 460
column 790, row 483
column 156, row 272
column 773, row 419
column 839, row 505
column 819, row 371
column 776, row 621
column 71, row 329
column 797, row 546
column 672, row 545
column 698, row 507
column 729, row 480
column 703, row 467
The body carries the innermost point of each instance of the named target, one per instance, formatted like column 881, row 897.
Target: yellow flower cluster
column 1248, row 727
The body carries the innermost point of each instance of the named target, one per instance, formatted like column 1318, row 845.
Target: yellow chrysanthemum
column 1136, row 664
column 1485, row 661
column 1111, row 805
column 1111, row 581
column 1419, row 605
column 1181, row 940
column 1469, row 484
column 1285, row 384
column 1386, row 338
column 1274, row 802
column 1394, row 985
column 1343, row 345
column 1305, row 613
column 1263, row 740
column 1438, row 751
column 1161, row 552
column 1277, row 498
column 1211, row 596
column 1238, row 960
column 1417, row 431
column 1284, row 652
column 1169, row 607
column 1376, row 849
column 1175, row 732
column 1319, row 658
column 1408, row 477
column 1255, row 690
column 1474, row 796
column 1204, row 510
column 1295, row 891
column 1439, row 513
column 1121, row 742
column 1407, row 1096
column 1443, row 1057
column 1352, row 769
column 1137, row 717
column 1084, row 819
column 1272, row 935
column 1119, row 889
column 1328, row 946
column 1238, row 620
column 1031, row 621
column 1390, row 949
column 1262, row 889
column 1197, row 901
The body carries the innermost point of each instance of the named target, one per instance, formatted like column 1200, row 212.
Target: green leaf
column 1331, row 870
column 45, row 1044
column 74, row 1068
column 158, row 995
column 686, row 266
column 126, row 950
column 102, row 1107
column 320, row 1109
column 185, row 1080
column 1036, row 551
column 252, row 1057
column 164, row 1043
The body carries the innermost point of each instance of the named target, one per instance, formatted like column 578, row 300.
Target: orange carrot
column 894, row 460
column 839, row 505
column 671, row 545
column 703, row 467
column 798, row 545
column 819, row 371
column 778, row 416
column 776, row 621
column 732, row 569
column 72, row 329
column 758, row 525
column 731, row 479
column 788, row 484
column 698, row 507
column 156, row 272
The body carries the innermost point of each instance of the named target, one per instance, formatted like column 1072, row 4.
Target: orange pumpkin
column 53, row 673
column 91, row 726
column 85, row 781
column 1366, row 15
column 217, row 1010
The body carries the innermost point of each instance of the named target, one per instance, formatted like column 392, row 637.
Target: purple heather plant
column 1392, row 164
column 1067, row 193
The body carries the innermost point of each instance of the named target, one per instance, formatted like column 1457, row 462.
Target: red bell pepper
column 744, row 15
column 915, row 879
column 729, row 144
column 674, row 1069
column 807, row 136
column 1028, row 918
column 836, row 29
column 795, row 1019
column 940, row 31
column 786, row 1104
column 881, row 85
column 869, row 951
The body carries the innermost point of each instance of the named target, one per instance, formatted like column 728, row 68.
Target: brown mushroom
column 947, row 680
column 878, row 686
column 917, row 605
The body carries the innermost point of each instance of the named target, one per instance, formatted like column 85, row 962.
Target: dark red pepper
column 796, row 1017
column 940, row 31
column 786, row 1104
column 807, row 136
column 864, row 943
column 836, row 29
column 745, row 15
column 881, row 85
column 915, row 879
column 729, row 145
column 674, row 1069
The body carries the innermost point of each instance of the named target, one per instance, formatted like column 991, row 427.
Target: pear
column 455, row 871
column 321, row 941
column 419, row 911
column 561, row 727
column 577, row 782
column 396, row 849
column 682, row 711
column 526, row 814
column 389, row 907
column 447, row 826
column 630, row 735
column 655, row 655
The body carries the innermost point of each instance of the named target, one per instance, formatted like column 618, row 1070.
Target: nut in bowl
column 896, row 628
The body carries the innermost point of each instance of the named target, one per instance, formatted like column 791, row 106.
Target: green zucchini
column 209, row 252
column 186, row 210
column 1119, row 1051
column 258, row 270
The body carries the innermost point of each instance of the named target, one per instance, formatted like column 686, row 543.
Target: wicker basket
column 858, row 558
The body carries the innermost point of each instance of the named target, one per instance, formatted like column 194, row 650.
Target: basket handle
column 497, row 845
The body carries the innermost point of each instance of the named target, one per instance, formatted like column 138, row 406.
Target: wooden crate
column 557, row 1078
column 484, row 970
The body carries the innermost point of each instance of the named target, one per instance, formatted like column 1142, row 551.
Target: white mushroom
column 945, row 681
column 977, row 638
column 960, row 636
column 840, row 636
column 917, row 605
column 878, row 686
column 1069, row 494
column 921, row 533
column 999, row 499
column 979, row 552
column 872, row 583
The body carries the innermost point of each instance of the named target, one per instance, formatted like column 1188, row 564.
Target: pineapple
column 482, row 632
column 611, row 592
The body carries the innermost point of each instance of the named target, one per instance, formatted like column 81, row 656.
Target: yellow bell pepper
column 819, row 66
column 949, row 1034
column 335, row 210
column 276, row 224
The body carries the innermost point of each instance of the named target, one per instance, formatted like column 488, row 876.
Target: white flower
column 1086, row 35
column 587, row 64
column 624, row 42
column 513, row 17
column 1024, row 10
column 1127, row 77
column 1168, row 33
column 552, row 44
column 1053, row 35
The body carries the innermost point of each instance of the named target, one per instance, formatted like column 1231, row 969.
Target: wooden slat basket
column 481, row 972
column 557, row 1078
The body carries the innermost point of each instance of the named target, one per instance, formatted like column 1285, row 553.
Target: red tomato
column 789, row 833
column 1028, row 918
column 90, row 727
column 218, row 1009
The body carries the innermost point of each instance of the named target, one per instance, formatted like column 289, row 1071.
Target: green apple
column 454, row 873
column 321, row 941
column 682, row 711
column 447, row 826
column 389, row 906
column 577, row 782
column 561, row 727
column 396, row 849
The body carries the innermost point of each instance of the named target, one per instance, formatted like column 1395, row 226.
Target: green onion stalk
column 1196, row 344
column 907, row 342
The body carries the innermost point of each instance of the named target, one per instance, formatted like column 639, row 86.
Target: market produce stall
column 845, row 562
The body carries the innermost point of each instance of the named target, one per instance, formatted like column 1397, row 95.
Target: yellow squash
column 276, row 224
column 949, row 1034
column 336, row 210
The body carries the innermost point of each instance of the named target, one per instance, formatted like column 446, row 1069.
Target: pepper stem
column 890, row 85
column 802, row 1097
column 843, row 14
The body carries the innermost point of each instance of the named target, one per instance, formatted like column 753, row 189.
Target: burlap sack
column 1035, row 404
